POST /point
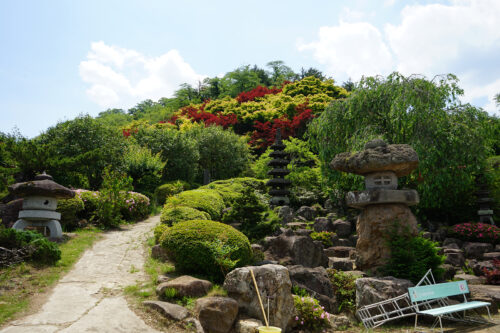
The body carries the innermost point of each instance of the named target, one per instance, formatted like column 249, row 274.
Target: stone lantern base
column 373, row 227
column 53, row 225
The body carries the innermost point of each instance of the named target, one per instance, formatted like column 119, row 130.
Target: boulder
column 486, row 293
column 195, row 323
column 475, row 250
column 453, row 246
column 307, row 212
column 186, row 286
column 296, row 225
column 340, row 251
column 286, row 214
column 336, row 241
column 454, row 257
column 168, row 310
column 339, row 322
column 341, row 264
column 323, row 224
column 342, row 228
column 479, row 266
column 374, row 290
column 296, row 250
column 491, row 256
column 216, row 314
column 273, row 281
column 316, row 282
column 449, row 271
column 159, row 253
column 303, row 232
column 374, row 223
column 457, row 241
column 11, row 212
column 471, row 279
column 247, row 325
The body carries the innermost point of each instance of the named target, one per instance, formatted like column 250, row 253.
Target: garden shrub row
column 134, row 207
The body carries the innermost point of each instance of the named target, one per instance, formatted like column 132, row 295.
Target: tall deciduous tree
column 452, row 139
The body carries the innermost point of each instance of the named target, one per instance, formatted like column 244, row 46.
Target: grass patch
column 19, row 284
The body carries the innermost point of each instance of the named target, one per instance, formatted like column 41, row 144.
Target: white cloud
column 462, row 37
column 351, row 49
column 121, row 77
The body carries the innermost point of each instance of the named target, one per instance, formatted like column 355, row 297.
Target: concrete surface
column 89, row 298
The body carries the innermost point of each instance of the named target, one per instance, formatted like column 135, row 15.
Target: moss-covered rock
column 206, row 200
column 207, row 247
column 171, row 215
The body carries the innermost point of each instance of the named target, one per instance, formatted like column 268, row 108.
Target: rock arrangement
column 382, row 204
column 278, row 192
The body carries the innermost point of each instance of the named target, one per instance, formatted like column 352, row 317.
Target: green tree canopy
column 452, row 139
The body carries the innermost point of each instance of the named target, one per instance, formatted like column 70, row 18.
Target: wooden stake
column 260, row 300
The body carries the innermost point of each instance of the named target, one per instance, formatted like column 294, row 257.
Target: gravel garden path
column 90, row 297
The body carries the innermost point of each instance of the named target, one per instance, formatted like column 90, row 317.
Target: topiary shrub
column 136, row 207
column 206, row 247
column 35, row 247
column 70, row 209
column 257, row 220
column 171, row 215
column 411, row 257
column 90, row 200
column 231, row 189
column 169, row 189
column 158, row 232
column 206, row 200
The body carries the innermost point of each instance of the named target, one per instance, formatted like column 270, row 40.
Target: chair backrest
column 440, row 290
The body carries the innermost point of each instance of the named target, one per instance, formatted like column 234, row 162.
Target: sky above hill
column 61, row 58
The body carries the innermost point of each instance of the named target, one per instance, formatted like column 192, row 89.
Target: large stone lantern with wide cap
column 40, row 203
column 382, row 204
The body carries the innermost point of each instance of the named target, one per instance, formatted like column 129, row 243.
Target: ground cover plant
column 19, row 283
column 310, row 315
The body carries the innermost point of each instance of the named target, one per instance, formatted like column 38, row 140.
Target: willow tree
column 452, row 139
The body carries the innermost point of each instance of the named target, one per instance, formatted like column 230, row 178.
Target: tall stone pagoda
column 279, row 192
column 382, row 204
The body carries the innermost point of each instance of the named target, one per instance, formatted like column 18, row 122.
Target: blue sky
column 62, row 58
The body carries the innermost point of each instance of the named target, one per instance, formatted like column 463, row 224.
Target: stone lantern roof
column 378, row 156
column 43, row 185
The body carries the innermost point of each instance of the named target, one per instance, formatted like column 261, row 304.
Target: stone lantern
column 279, row 192
column 40, row 203
column 382, row 204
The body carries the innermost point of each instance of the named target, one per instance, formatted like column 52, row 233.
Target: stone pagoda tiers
column 382, row 204
column 40, row 203
column 484, row 201
column 279, row 192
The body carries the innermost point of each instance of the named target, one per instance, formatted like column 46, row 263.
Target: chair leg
column 489, row 315
column 416, row 319
column 440, row 324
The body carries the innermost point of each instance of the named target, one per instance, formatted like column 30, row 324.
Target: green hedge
column 164, row 191
column 206, row 200
column 90, row 201
column 206, row 247
column 70, row 210
column 231, row 189
column 172, row 215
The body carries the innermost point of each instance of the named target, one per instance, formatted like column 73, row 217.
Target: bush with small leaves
column 171, row 215
column 310, row 315
column 324, row 236
column 70, row 209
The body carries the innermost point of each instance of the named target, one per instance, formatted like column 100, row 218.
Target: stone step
column 340, row 251
column 491, row 256
column 341, row 264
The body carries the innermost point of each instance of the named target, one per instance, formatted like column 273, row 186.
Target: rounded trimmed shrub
column 232, row 189
column 164, row 191
column 206, row 200
column 70, row 209
column 136, row 207
column 90, row 201
column 207, row 247
column 158, row 231
column 171, row 215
